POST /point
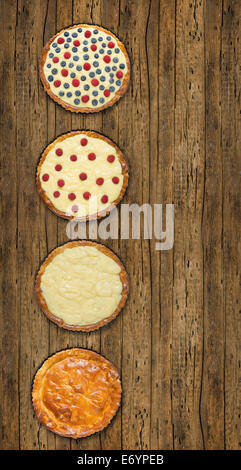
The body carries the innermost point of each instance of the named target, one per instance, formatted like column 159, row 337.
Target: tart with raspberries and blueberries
column 85, row 68
column 82, row 175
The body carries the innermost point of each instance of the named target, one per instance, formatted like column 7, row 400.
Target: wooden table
column 177, row 342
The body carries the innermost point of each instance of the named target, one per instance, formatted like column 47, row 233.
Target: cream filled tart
column 76, row 392
column 81, row 286
column 85, row 68
column 82, row 175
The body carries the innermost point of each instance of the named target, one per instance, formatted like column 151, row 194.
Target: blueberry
column 103, row 44
column 50, row 78
column 72, row 74
column 71, row 65
column 122, row 66
column 92, row 74
column 96, row 64
column 61, row 93
column 63, row 63
column 111, row 74
column 85, row 43
column 100, row 39
column 115, row 60
column 66, row 34
column 78, row 68
column 79, row 30
column 93, row 40
column 101, row 51
column 118, row 82
column 54, row 71
column 76, row 57
column 111, row 80
column 76, row 101
column 108, row 38
column 86, row 87
column 101, row 100
column 69, row 94
column 98, row 71
column 66, row 85
column 95, row 93
column 48, row 65
column 112, row 88
column 109, row 52
column 51, row 55
column 83, row 78
column 69, row 40
column 54, row 44
column 102, row 78
column 95, row 31
column 107, row 68
column 117, row 50
column 74, row 35
column 101, row 87
column 86, row 57
column 66, row 45
column 58, row 49
column 74, row 49
column 114, row 68
column 94, row 102
column 77, row 93
column 96, row 56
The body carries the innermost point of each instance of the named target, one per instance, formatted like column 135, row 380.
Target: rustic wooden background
column 177, row 342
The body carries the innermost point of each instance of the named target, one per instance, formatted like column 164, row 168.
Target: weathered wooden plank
column 31, row 131
column 230, row 65
column 212, row 404
column 9, row 322
column 161, row 57
column 188, row 198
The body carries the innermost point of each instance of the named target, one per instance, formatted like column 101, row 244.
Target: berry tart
column 82, row 175
column 76, row 393
column 81, row 286
column 85, row 68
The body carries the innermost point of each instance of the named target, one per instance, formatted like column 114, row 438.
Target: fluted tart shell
column 76, row 393
column 89, row 327
column 101, row 213
column 84, row 109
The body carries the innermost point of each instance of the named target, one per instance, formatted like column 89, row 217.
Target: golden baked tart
column 85, row 68
column 76, row 392
column 82, row 175
column 81, row 286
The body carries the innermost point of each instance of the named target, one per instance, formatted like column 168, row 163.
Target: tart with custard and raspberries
column 82, row 285
column 85, row 68
column 76, row 393
column 82, row 175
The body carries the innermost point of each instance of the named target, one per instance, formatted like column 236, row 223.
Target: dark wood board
column 177, row 341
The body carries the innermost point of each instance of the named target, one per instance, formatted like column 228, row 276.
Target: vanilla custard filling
column 106, row 73
column 81, row 285
column 60, row 176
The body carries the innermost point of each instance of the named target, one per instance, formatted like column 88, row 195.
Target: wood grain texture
column 176, row 344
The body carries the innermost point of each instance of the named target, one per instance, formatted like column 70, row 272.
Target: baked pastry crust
column 122, row 160
column 86, row 109
column 76, row 393
column 58, row 321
